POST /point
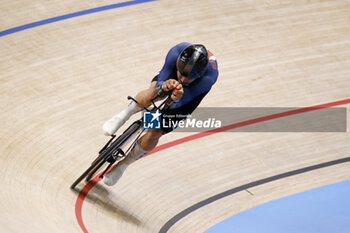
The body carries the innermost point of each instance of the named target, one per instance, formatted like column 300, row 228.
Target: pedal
column 116, row 154
column 119, row 153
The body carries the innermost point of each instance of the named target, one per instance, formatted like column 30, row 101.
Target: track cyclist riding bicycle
column 189, row 72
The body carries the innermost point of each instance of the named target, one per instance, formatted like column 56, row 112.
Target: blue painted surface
column 322, row 210
column 72, row 15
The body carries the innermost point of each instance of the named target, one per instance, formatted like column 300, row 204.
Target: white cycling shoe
column 112, row 125
column 112, row 177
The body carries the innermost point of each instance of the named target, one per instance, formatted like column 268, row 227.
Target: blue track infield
column 321, row 210
column 72, row 15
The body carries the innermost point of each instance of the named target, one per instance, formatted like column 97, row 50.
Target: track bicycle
column 113, row 151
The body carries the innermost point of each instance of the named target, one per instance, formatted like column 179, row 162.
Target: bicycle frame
column 111, row 151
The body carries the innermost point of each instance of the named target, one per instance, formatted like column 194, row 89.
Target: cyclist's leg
column 150, row 139
column 145, row 144
column 143, row 97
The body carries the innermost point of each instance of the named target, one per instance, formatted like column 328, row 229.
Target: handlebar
column 165, row 104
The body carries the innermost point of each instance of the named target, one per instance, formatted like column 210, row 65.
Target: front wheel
column 98, row 162
column 93, row 172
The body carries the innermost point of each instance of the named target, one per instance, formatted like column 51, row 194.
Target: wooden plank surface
column 60, row 82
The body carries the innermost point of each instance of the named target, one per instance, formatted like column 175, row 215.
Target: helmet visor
column 192, row 62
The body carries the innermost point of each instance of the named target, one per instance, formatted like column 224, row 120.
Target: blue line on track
column 72, row 15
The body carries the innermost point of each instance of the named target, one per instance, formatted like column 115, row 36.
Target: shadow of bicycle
column 101, row 197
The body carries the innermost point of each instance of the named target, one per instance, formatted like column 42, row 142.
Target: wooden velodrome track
column 59, row 82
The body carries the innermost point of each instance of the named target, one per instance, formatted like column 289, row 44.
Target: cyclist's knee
column 150, row 139
column 146, row 94
column 154, row 134
column 150, row 90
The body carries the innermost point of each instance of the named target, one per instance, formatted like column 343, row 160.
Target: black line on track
column 210, row 200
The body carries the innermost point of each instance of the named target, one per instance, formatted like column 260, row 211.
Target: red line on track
column 83, row 193
column 81, row 197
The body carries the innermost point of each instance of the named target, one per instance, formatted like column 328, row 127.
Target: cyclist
column 189, row 72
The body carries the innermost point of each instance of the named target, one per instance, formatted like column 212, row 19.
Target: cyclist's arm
column 203, row 86
column 144, row 97
column 169, row 68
